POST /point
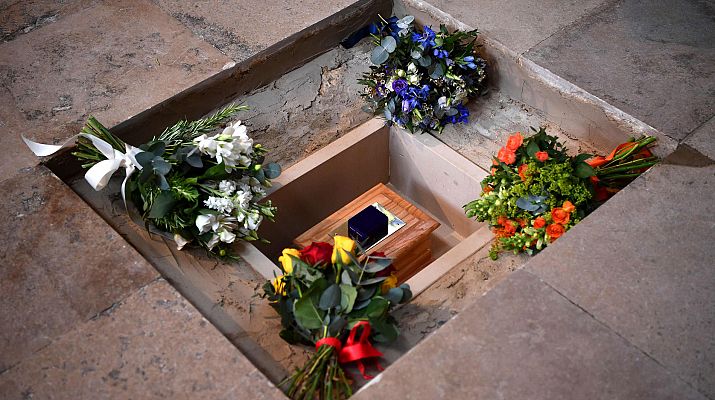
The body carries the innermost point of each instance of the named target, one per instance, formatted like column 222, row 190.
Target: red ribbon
column 359, row 350
column 329, row 341
column 355, row 350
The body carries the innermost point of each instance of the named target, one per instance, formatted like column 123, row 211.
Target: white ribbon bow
column 98, row 176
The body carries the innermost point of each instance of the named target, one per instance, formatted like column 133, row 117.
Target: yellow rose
column 279, row 284
column 388, row 283
column 343, row 245
column 286, row 261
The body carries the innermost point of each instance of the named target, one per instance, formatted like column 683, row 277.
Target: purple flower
column 399, row 86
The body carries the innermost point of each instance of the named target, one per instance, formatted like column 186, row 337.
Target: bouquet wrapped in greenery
column 421, row 80
column 330, row 299
column 197, row 186
column 536, row 191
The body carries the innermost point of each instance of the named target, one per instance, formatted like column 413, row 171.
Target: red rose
column 317, row 253
column 522, row 171
column 560, row 216
column 555, row 231
column 506, row 156
column 514, row 142
column 542, row 156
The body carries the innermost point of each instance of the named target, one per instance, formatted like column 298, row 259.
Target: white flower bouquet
column 200, row 186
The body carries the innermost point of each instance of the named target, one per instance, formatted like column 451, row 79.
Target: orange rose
column 487, row 189
column 539, row 222
column 568, row 207
column 555, row 231
column 522, row 171
column 506, row 156
column 514, row 142
column 560, row 216
column 542, row 156
column 494, row 171
column 502, row 220
column 509, row 229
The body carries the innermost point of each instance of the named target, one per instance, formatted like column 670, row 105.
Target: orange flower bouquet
column 536, row 191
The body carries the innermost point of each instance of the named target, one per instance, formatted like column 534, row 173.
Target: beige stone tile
column 60, row 264
column 523, row 340
column 112, row 60
column 153, row 345
column 643, row 265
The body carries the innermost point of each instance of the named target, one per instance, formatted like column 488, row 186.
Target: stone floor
column 623, row 307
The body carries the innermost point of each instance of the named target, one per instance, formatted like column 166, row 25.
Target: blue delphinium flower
column 440, row 53
column 461, row 116
column 409, row 104
column 426, row 39
column 470, row 62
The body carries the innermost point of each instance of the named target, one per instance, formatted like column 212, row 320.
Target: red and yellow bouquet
column 334, row 299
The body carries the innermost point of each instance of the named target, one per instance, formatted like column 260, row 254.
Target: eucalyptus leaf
column 379, row 55
column 348, row 295
column 272, row 170
column 437, row 72
column 416, row 54
column 394, row 295
column 366, row 282
column 163, row 183
column 157, row 148
column 405, row 22
column 364, row 293
column 525, row 204
column 361, row 304
column 345, row 278
column 389, row 43
column 377, row 308
column 160, row 166
column 406, row 293
column 144, row 159
column 330, row 297
column 377, row 266
column 195, row 160
column 425, row 61
column 163, row 203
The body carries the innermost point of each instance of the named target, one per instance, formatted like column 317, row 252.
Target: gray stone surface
column 518, row 24
column 643, row 265
column 703, row 139
column 523, row 340
column 112, row 60
column 152, row 345
column 60, row 264
column 654, row 60
column 19, row 17
column 241, row 29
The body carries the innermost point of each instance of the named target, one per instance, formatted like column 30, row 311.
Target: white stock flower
column 242, row 199
column 206, row 144
column 227, row 187
column 220, row 204
column 253, row 220
column 213, row 222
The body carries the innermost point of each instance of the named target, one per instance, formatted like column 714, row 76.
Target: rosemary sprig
column 187, row 130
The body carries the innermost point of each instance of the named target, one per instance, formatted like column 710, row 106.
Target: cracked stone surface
column 60, row 265
column 153, row 345
column 309, row 107
column 111, row 59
